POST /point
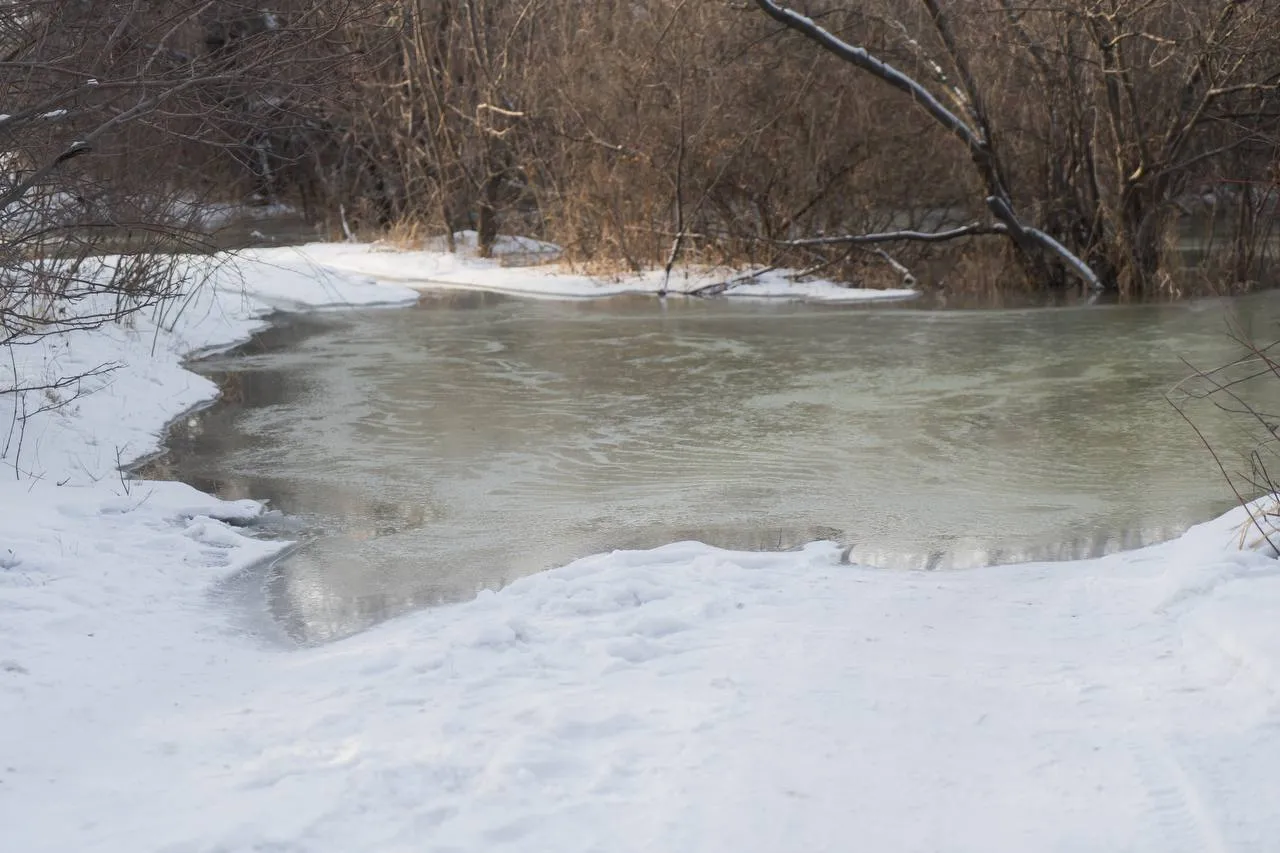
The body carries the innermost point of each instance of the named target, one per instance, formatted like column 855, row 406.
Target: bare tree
column 110, row 137
column 1089, row 118
column 1075, row 142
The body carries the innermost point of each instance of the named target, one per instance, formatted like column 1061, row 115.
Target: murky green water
column 430, row 452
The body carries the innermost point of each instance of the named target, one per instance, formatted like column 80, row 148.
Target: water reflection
column 429, row 453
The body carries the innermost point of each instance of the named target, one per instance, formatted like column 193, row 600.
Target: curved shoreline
column 441, row 270
column 683, row 698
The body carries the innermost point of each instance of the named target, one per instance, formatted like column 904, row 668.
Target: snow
column 119, row 416
column 214, row 215
column 680, row 699
column 435, row 268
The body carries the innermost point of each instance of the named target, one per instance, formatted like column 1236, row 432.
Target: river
column 420, row 455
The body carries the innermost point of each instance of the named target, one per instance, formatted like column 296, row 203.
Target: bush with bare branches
column 115, row 120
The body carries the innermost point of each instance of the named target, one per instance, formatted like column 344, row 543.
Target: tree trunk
column 1137, row 242
column 487, row 220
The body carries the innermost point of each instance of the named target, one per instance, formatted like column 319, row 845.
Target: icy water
column 423, row 454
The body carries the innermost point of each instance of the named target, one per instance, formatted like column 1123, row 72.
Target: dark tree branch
column 1028, row 240
column 974, row 229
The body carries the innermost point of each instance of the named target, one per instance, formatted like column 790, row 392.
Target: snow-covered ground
column 680, row 699
column 434, row 268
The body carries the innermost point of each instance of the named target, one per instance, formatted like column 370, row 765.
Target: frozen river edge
column 684, row 698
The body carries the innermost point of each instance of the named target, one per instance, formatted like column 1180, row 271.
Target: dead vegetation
column 1126, row 145
column 1129, row 145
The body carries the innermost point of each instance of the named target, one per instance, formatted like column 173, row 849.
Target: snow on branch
column 970, row 230
column 1031, row 242
column 1080, row 267
column 860, row 58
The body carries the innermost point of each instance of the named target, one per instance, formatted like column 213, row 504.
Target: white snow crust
column 680, row 699
column 433, row 269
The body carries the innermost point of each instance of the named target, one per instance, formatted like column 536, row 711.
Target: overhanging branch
column 1032, row 243
column 971, row 230
column 861, row 58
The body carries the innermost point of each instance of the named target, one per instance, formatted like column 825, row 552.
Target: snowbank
column 120, row 415
column 434, row 268
column 680, row 699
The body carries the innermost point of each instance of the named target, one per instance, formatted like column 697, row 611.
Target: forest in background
column 641, row 133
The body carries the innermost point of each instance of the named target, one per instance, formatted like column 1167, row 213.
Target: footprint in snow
column 635, row 650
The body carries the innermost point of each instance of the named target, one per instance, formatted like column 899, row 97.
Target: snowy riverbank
column 681, row 699
column 434, row 269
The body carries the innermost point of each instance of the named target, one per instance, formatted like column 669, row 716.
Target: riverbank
column 525, row 267
column 684, row 698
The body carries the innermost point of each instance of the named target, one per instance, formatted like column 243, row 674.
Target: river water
column 423, row 454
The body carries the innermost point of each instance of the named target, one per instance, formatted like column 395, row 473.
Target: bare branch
column 972, row 230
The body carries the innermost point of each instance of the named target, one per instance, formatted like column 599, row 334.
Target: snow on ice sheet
column 679, row 699
column 435, row 269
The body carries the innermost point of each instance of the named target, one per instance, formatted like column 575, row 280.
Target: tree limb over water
column 974, row 229
column 1032, row 244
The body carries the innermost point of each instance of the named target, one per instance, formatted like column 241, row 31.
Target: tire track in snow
column 1176, row 804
